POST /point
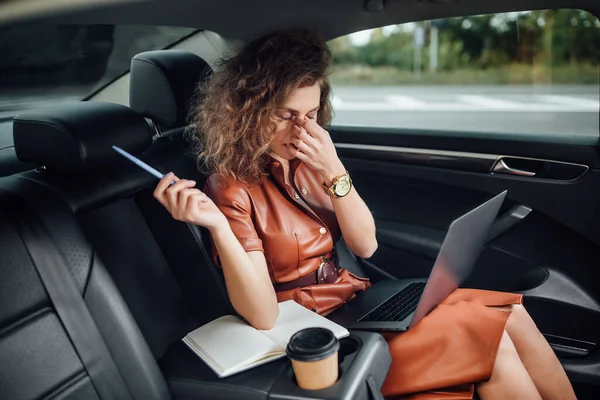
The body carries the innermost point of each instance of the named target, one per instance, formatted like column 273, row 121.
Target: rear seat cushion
column 136, row 262
column 163, row 83
column 38, row 359
column 159, row 264
column 76, row 138
column 103, row 200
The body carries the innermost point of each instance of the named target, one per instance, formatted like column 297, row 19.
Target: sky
column 363, row 37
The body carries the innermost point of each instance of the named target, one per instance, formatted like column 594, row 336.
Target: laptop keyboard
column 399, row 306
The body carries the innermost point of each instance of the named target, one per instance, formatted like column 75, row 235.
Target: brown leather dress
column 452, row 348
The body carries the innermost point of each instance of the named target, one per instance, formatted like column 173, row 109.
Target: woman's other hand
column 314, row 147
column 187, row 203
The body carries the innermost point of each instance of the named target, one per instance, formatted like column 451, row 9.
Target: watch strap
column 329, row 189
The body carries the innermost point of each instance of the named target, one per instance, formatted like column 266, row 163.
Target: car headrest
column 78, row 137
column 163, row 83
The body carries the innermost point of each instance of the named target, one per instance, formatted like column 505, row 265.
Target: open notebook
column 229, row 345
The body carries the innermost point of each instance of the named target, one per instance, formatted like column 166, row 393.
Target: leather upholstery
column 274, row 216
column 76, row 138
column 190, row 378
column 10, row 164
column 35, row 352
column 189, row 260
column 106, row 207
column 88, row 191
column 163, row 83
column 119, row 216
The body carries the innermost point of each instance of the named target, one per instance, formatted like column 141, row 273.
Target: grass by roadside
column 513, row 74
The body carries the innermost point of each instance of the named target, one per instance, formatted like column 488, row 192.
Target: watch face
column 342, row 187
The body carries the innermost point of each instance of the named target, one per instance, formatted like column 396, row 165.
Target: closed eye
column 286, row 116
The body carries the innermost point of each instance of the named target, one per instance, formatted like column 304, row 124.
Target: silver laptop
column 397, row 305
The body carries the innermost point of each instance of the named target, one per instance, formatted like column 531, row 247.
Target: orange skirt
column 451, row 349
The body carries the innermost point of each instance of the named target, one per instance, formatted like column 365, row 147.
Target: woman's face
column 302, row 103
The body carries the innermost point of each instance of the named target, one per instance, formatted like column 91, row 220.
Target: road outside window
column 521, row 73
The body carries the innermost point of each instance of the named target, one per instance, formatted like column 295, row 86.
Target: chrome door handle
column 502, row 168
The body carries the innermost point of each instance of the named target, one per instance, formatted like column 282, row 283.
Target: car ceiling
column 245, row 19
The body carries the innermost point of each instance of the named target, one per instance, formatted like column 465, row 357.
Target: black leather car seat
column 40, row 354
column 163, row 85
column 168, row 105
column 156, row 262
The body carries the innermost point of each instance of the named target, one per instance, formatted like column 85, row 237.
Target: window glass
column 46, row 64
column 516, row 73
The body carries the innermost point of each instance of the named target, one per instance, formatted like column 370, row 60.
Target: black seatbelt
column 68, row 302
column 163, row 228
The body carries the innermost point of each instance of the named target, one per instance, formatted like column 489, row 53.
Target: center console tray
column 364, row 360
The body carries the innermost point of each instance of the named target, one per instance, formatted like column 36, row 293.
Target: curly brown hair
column 234, row 120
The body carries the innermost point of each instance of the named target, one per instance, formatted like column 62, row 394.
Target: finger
column 300, row 155
column 183, row 199
column 300, row 145
column 306, row 138
column 198, row 199
column 172, row 192
column 311, row 132
column 163, row 184
column 313, row 128
column 302, row 125
column 197, row 204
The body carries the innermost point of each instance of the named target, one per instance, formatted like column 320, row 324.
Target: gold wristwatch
column 340, row 186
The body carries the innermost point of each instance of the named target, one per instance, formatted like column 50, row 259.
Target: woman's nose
column 300, row 121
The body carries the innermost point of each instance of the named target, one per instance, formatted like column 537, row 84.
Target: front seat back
column 163, row 84
column 181, row 74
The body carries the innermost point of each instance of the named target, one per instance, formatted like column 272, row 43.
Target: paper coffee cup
column 314, row 356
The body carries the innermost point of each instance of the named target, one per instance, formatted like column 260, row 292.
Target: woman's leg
column 538, row 357
column 509, row 379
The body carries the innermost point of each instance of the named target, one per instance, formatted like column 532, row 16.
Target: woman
column 274, row 212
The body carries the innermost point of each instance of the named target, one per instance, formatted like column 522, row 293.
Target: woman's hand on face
column 188, row 204
column 314, row 147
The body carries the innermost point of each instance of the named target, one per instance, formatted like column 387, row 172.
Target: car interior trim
column 477, row 162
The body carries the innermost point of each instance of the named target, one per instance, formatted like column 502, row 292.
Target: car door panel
column 545, row 242
column 553, row 197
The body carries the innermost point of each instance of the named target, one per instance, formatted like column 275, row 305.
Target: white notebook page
column 294, row 317
column 230, row 344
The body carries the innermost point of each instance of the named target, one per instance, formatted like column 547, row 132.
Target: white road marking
column 592, row 104
column 489, row 102
column 471, row 103
column 366, row 106
column 406, row 102
column 337, row 102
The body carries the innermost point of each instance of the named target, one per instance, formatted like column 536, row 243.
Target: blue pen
column 140, row 163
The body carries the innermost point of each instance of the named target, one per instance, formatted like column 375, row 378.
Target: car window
column 46, row 64
column 525, row 73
